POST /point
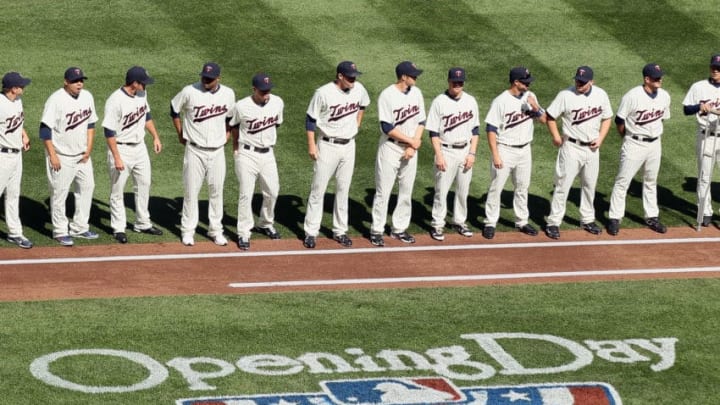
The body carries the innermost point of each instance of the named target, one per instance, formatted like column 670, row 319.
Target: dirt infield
column 134, row 270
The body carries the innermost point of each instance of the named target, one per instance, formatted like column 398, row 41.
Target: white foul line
column 473, row 277
column 351, row 251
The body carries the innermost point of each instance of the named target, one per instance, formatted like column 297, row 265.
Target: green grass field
column 299, row 44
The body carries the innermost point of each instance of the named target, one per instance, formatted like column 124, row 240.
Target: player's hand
column 440, row 163
column 415, row 143
column 409, row 153
column 313, row 152
column 557, row 141
column 55, row 163
column 595, row 144
column 84, row 157
column 497, row 163
column 157, row 146
column 26, row 143
column 119, row 164
column 469, row 161
column 533, row 103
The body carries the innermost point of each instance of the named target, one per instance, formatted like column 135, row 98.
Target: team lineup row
column 206, row 116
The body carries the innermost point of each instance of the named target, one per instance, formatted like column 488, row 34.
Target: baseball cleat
column 403, row 237
column 220, row 240
column 150, row 231
column 528, row 229
column 84, row 235
column 463, row 230
column 243, row 243
column 377, row 239
column 437, row 234
column 188, row 240
column 65, row 240
column 655, row 224
column 21, row 241
column 120, row 237
column 613, row 227
column 343, row 240
column 269, row 231
column 309, row 242
column 488, row 232
column 707, row 220
column 552, row 232
column 592, row 228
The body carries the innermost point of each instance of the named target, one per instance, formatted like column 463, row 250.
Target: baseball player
column 335, row 113
column 254, row 122
column 401, row 109
column 67, row 129
column 199, row 113
column 127, row 116
column 453, row 123
column 701, row 100
column 509, row 125
column 639, row 119
column 13, row 141
column 585, row 111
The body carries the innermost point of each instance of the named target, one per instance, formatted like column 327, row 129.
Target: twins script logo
column 428, row 391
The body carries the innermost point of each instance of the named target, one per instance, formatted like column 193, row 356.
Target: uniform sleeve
column 624, row 108
column 476, row 117
column 364, row 98
column 178, row 102
column 316, row 105
column 93, row 115
column 235, row 115
column 666, row 114
column 281, row 111
column 111, row 117
column 494, row 114
column 421, row 103
column 556, row 107
column 607, row 107
column 385, row 109
column 49, row 113
column 433, row 118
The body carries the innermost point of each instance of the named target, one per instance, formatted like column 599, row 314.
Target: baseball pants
column 249, row 167
column 574, row 160
column 74, row 174
column 200, row 165
column 455, row 173
column 10, row 178
column 389, row 166
column 635, row 154
column 705, row 151
column 517, row 162
column 137, row 165
column 334, row 160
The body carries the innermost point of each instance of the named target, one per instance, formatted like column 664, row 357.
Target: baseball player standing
column 401, row 109
column 335, row 113
column 199, row 113
column 13, row 141
column 453, row 123
column 510, row 126
column 639, row 120
column 67, row 129
column 127, row 116
column 585, row 111
column 254, row 122
column 702, row 98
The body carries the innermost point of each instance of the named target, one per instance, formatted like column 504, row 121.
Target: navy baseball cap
column 584, row 74
column 653, row 71
column 73, row 74
column 211, row 70
column 407, row 68
column 348, row 69
column 262, row 82
column 522, row 74
column 456, row 74
column 13, row 79
column 138, row 74
column 715, row 60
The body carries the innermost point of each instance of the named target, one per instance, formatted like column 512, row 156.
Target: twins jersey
column 203, row 114
column 509, row 115
column 703, row 92
column 126, row 115
column 257, row 123
column 581, row 114
column 405, row 111
column 453, row 119
column 643, row 114
column 68, row 117
column 336, row 111
column 12, row 119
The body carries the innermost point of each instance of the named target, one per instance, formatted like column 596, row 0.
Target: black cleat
column 552, row 232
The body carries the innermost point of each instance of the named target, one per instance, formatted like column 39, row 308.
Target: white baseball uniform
column 255, row 159
column 704, row 91
column 405, row 111
column 70, row 120
column 513, row 125
column 455, row 121
column 125, row 119
column 12, row 119
column 203, row 114
column 643, row 114
column 336, row 123
column 581, row 116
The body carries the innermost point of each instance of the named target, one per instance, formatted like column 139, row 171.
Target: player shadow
column 420, row 212
column 538, row 208
column 287, row 212
column 475, row 207
column 33, row 215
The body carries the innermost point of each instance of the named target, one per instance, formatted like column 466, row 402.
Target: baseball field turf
column 299, row 44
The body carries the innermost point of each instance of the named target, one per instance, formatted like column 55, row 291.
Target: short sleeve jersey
column 257, row 124
column 335, row 110
column 204, row 114
column 509, row 114
column 703, row 92
column 126, row 116
column 581, row 114
column 68, row 117
column 453, row 119
column 643, row 113
column 404, row 110
column 12, row 119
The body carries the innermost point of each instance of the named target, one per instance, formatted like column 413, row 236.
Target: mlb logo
column 393, row 391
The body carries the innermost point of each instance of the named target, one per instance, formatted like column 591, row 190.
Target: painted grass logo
column 428, row 391
column 499, row 352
